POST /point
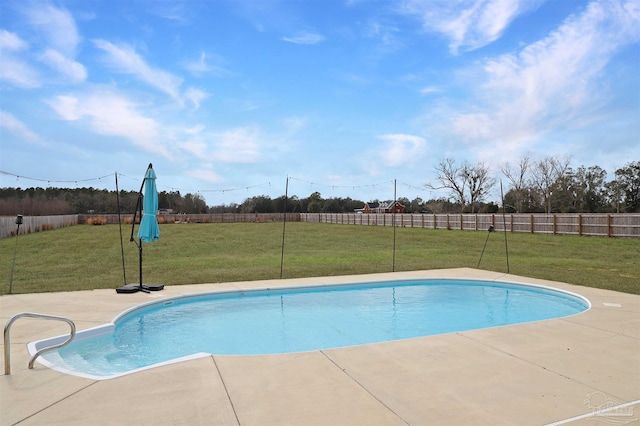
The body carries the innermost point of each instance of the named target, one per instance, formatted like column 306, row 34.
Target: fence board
column 601, row 224
column 31, row 224
column 596, row 224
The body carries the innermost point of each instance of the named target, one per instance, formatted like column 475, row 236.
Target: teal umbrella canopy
column 149, row 230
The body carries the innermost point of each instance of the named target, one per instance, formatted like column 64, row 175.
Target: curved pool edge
column 33, row 347
column 381, row 282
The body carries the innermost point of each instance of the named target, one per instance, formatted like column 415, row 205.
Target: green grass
column 89, row 257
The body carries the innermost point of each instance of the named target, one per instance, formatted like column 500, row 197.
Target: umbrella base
column 133, row 288
column 153, row 287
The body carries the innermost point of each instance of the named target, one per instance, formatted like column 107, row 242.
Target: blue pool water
column 302, row 319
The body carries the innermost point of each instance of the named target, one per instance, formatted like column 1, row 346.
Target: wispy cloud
column 468, row 24
column 12, row 124
column 401, row 149
column 305, row 38
column 195, row 96
column 14, row 70
column 549, row 85
column 385, row 33
column 126, row 60
column 205, row 64
column 59, row 34
column 109, row 113
column 206, row 175
column 173, row 11
column 56, row 25
column 429, row 90
column 11, row 42
column 238, row 145
column 73, row 70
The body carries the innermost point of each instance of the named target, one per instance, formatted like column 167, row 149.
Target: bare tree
column 518, row 176
column 478, row 182
column 464, row 179
column 546, row 174
column 448, row 174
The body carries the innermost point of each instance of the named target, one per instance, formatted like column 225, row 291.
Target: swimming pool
column 298, row 319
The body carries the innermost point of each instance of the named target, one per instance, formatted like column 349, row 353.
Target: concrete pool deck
column 536, row 373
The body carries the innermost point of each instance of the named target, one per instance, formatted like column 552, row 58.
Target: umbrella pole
column 139, row 242
column 141, row 288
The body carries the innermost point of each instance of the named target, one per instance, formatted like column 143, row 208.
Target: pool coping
column 533, row 373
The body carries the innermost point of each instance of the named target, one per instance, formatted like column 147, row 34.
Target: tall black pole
column 15, row 250
column 394, row 225
column 124, row 270
column 284, row 225
column 504, row 225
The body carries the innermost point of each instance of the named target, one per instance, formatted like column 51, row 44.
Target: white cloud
column 429, row 90
column 206, row 64
column 237, row 146
column 60, row 36
column 401, row 149
column 57, row 26
column 11, row 42
column 66, row 107
column 549, row 85
column 124, row 59
column 199, row 66
column 15, row 70
column 468, row 24
column 12, row 124
column 108, row 113
column 196, row 96
column 19, row 73
column 206, row 175
column 72, row 70
column 385, row 33
column 305, row 38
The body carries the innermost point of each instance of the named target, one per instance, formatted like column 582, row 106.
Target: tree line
column 549, row 185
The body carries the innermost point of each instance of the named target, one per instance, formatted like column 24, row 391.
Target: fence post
column 532, row 231
column 512, row 220
column 608, row 226
column 555, row 224
column 580, row 224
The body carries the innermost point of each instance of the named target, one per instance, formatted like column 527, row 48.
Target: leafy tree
column 628, row 182
column 315, row 203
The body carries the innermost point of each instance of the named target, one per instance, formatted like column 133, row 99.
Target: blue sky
column 228, row 98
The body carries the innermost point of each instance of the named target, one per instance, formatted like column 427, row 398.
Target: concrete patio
column 529, row 374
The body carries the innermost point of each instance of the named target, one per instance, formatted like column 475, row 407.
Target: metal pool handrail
column 7, row 330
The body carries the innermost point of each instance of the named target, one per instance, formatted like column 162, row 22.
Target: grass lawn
column 89, row 257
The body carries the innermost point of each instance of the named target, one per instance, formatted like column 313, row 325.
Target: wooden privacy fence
column 604, row 225
column 100, row 219
column 30, row 224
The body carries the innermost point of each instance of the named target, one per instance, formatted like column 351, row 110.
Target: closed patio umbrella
column 149, row 230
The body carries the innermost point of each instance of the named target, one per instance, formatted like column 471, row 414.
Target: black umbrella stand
column 133, row 288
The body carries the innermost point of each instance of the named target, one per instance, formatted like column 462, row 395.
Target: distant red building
column 387, row 207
